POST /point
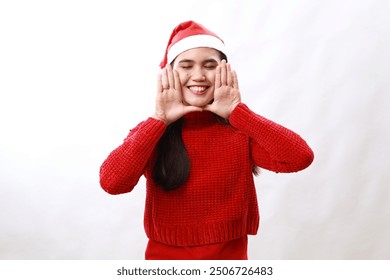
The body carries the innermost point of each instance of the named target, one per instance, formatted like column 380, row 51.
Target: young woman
column 199, row 152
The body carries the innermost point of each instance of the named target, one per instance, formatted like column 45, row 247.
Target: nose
column 198, row 74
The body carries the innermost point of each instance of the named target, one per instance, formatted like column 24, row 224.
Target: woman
column 199, row 152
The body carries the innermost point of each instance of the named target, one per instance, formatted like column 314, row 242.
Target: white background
column 75, row 76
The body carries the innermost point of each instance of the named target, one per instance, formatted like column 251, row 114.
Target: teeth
column 198, row 88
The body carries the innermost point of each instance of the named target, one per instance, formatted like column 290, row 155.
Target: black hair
column 172, row 165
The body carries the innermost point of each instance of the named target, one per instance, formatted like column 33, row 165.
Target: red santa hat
column 188, row 35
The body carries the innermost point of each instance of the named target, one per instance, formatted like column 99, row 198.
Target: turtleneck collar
column 200, row 118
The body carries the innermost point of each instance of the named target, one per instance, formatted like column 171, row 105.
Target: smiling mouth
column 198, row 89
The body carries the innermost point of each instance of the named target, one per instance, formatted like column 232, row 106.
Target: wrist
column 234, row 106
column 160, row 118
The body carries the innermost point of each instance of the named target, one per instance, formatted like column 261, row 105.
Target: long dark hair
column 172, row 166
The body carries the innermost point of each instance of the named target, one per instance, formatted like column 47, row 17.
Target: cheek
column 183, row 78
column 211, row 78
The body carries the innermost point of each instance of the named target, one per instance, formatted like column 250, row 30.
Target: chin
column 198, row 102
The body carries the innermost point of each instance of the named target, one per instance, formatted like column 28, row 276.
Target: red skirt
column 230, row 250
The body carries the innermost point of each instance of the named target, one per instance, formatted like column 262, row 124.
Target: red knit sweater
column 218, row 201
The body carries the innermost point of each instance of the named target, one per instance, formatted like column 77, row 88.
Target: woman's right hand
column 169, row 99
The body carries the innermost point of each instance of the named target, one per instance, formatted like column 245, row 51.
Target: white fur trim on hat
column 195, row 41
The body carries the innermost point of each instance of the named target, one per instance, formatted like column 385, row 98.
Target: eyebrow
column 211, row 60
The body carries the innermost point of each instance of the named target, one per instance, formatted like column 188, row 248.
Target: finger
column 171, row 81
column 164, row 79
column 223, row 73
column 208, row 107
column 218, row 77
column 176, row 79
column 189, row 109
column 229, row 78
column 235, row 79
column 159, row 83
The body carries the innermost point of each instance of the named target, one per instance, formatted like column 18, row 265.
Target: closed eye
column 210, row 67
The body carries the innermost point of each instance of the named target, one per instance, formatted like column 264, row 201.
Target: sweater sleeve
column 123, row 167
column 273, row 147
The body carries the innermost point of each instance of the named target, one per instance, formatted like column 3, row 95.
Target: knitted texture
column 218, row 201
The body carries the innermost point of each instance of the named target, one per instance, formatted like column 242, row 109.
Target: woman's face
column 196, row 68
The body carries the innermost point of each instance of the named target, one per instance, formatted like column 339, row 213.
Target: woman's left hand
column 226, row 93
